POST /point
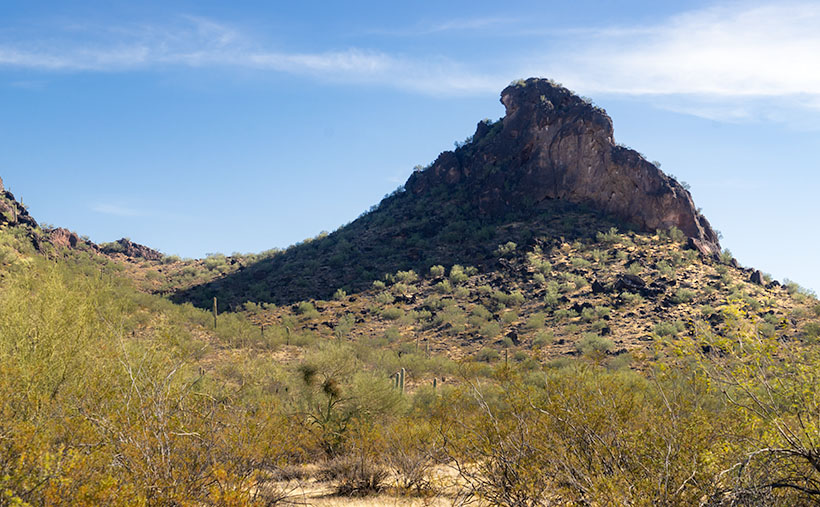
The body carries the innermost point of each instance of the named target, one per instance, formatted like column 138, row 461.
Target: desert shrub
column 592, row 344
column 489, row 330
column 536, row 321
column 509, row 316
column 683, row 295
column 582, row 434
column 487, row 355
column 437, row 271
column 506, row 250
column 306, row 309
column 811, row 329
column 411, row 453
column 392, row 313
column 457, row 274
column 453, row 317
column 214, row 261
column 676, row 235
column 443, row 287
column 634, row 269
column 344, row 326
column 543, row 266
column 355, row 474
column 580, row 262
column 565, row 314
column 384, row 298
column 603, row 311
column 503, row 299
column 481, row 313
column 542, row 338
column 611, row 236
column 379, row 285
column 407, row 276
column 766, row 330
column 171, row 259
column 340, row 294
column 669, row 328
column 665, row 269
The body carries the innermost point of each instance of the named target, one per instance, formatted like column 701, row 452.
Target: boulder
column 630, row 283
column 64, row 238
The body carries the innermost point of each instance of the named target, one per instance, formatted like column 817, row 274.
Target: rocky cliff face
column 551, row 144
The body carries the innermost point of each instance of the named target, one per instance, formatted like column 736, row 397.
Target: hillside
column 549, row 167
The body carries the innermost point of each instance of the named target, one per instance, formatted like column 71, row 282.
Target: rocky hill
column 552, row 144
column 549, row 167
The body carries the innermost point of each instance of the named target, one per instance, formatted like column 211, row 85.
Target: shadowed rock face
column 551, row 144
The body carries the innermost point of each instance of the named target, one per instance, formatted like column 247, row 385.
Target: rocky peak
column 552, row 144
column 130, row 249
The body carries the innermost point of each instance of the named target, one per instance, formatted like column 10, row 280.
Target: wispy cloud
column 732, row 62
column 204, row 43
column 714, row 62
column 117, row 210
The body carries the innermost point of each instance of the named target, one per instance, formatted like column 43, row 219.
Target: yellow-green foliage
column 102, row 403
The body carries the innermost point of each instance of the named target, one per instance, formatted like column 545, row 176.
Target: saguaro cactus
column 214, row 312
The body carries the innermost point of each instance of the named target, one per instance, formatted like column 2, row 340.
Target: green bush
column 489, row 330
column 392, row 313
column 306, row 309
column 536, row 321
column 611, row 236
column 487, row 355
column 407, row 276
column 457, row 274
column 683, row 295
column 542, row 338
column 811, row 329
column 592, row 344
column 671, row 328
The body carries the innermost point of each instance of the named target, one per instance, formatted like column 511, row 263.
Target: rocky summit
column 552, row 144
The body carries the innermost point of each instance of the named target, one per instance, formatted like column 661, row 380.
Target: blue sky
column 198, row 127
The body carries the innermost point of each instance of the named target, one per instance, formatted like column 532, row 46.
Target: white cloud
column 715, row 62
column 732, row 62
column 204, row 43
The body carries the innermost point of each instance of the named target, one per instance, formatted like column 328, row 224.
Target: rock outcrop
column 12, row 212
column 130, row 249
column 64, row 238
column 552, row 144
